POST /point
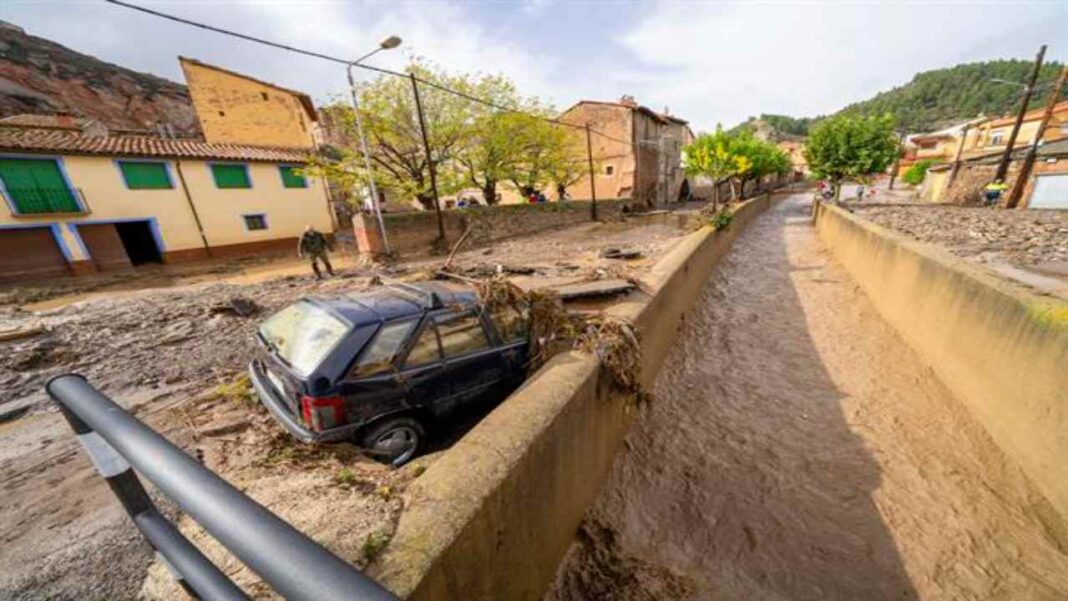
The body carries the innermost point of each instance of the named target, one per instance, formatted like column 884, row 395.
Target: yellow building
column 82, row 198
column 992, row 136
column 77, row 203
column 237, row 109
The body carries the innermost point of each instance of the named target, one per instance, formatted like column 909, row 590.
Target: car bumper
column 277, row 407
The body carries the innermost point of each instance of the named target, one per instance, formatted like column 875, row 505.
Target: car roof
column 386, row 303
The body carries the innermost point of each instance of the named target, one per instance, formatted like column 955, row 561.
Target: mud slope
column 798, row 449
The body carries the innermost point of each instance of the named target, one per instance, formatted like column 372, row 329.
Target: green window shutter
column 231, row 176
column 37, row 186
column 290, row 177
column 145, row 176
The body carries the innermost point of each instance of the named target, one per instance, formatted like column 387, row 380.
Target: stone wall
column 414, row 233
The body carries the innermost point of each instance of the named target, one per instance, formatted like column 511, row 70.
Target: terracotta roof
column 58, row 141
column 635, row 107
column 304, row 99
column 1060, row 107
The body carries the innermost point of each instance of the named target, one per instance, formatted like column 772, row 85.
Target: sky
column 707, row 62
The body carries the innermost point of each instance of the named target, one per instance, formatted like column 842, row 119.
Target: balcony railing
column 46, row 201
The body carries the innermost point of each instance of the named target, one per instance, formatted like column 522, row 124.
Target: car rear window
column 303, row 334
column 380, row 353
column 462, row 335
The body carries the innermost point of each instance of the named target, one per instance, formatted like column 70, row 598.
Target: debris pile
column 553, row 329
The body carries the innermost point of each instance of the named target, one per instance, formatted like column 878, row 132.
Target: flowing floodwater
column 796, row 448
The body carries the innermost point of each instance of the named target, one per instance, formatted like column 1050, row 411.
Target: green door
column 37, row 186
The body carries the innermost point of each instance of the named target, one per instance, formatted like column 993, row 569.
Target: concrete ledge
column 493, row 517
column 1000, row 348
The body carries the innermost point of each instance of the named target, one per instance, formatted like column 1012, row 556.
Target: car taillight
column 324, row 412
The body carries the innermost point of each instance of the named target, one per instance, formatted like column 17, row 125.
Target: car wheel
column 395, row 440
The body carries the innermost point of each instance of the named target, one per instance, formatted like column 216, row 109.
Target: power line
column 335, row 59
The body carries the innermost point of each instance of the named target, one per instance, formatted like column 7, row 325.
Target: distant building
column 795, row 150
column 992, row 136
column 80, row 198
column 641, row 157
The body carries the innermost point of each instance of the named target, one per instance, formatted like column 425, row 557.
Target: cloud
column 448, row 34
column 724, row 62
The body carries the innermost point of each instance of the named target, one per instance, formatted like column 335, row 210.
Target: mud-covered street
column 796, row 448
column 173, row 355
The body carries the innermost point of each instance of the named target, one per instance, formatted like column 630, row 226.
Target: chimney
column 65, row 120
column 667, row 113
column 627, row 100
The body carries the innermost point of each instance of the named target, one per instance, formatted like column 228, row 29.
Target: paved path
column 798, row 449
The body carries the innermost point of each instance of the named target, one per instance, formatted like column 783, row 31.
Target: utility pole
column 1003, row 166
column 593, row 186
column 429, row 161
column 1029, row 160
column 956, row 159
column 897, row 161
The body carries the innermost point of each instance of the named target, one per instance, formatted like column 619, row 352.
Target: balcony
column 34, row 202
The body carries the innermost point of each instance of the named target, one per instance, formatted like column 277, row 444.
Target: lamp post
column 386, row 44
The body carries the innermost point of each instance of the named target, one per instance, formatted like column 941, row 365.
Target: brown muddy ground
column 158, row 348
column 796, row 448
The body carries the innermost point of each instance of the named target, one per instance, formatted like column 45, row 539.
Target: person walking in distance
column 315, row 246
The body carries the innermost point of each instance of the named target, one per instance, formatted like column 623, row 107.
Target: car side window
column 380, row 352
column 426, row 349
column 461, row 334
column 511, row 323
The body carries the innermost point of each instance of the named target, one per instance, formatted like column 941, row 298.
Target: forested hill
column 939, row 98
column 934, row 99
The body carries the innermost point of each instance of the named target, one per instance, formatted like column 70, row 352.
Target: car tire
column 394, row 440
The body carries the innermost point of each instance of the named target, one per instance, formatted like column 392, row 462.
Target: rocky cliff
column 39, row 76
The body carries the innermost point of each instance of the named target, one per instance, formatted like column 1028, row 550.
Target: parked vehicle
column 380, row 368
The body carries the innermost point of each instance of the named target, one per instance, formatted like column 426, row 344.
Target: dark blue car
column 379, row 368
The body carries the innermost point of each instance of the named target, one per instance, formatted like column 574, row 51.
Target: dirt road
column 796, row 448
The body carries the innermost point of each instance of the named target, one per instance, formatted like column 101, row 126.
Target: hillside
column 933, row 99
column 39, row 76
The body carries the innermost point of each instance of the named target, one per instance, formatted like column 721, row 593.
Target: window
column 257, row 221
column 303, row 334
column 290, row 177
column 231, row 176
column 997, row 138
column 140, row 175
column 222, row 113
column 426, row 349
column 461, row 335
column 380, row 352
column 264, row 94
column 37, row 186
column 511, row 324
column 609, row 169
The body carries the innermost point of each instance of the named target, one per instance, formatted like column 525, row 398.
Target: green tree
column 716, row 157
column 845, row 147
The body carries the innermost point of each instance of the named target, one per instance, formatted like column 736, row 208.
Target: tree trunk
column 489, row 193
column 426, row 200
column 734, row 189
column 561, row 192
column 715, row 195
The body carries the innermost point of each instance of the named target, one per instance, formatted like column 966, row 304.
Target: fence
column 290, row 562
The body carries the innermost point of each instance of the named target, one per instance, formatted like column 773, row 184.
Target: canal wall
column 493, row 516
column 1000, row 348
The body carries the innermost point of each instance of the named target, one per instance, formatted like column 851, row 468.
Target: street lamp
column 386, row 44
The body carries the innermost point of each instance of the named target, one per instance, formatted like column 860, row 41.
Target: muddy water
column 798, row 449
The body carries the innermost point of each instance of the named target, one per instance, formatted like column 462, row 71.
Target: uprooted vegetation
column 553, row 329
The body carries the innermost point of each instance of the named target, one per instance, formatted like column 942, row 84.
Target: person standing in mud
column 314, row 245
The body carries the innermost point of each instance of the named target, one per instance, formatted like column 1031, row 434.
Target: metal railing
column 290, row 562
column 46, row 201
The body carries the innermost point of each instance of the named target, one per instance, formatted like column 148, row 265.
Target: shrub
column 914, row 175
